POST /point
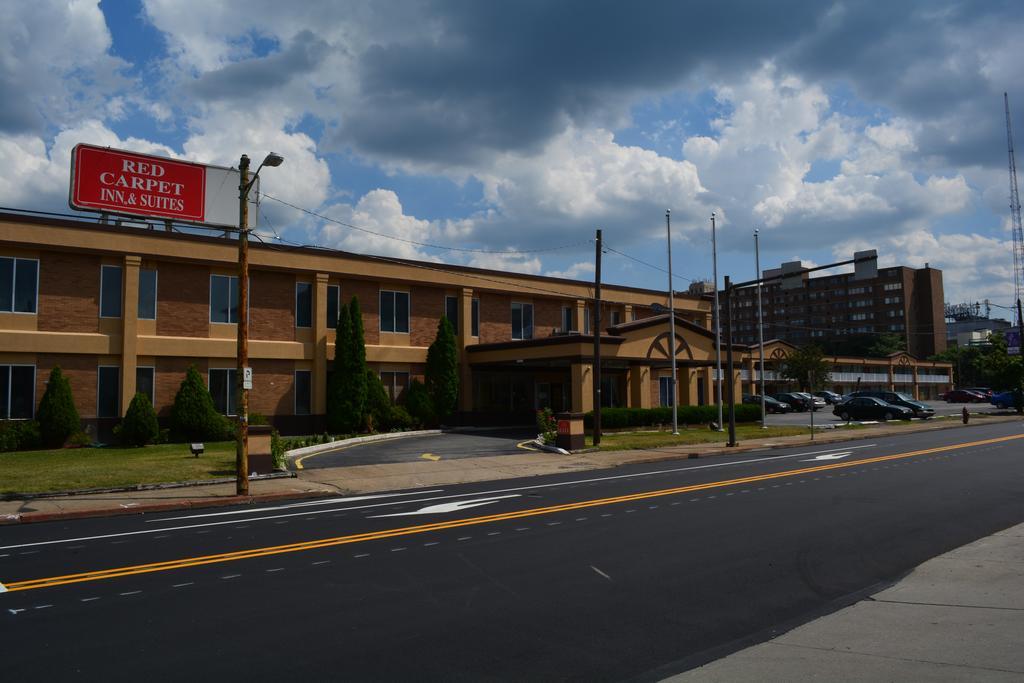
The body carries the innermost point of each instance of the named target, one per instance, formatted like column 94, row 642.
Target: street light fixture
column 243, row 373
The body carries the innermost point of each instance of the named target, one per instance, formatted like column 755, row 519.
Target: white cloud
column 575, row 271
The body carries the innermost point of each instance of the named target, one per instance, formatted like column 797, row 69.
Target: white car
column 818, row 401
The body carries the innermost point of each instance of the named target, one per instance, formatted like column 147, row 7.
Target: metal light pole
column 717, row 321
column 760, row 321
column 242, row 438
column 731, row 384
column 672, row 324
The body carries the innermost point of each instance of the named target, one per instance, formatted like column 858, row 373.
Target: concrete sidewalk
column 958, row 617
column 360, row 479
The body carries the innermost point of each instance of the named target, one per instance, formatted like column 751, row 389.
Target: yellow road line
column 430, row 456
column 183, row 563
column 522, row 444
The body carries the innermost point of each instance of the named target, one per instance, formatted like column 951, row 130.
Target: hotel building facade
column 126, row 309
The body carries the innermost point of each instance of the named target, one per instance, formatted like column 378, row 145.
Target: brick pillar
column 892, row 377
column 917, row 387
column 627, row 313
column 577, row 315
column 129, row 329
column 320, row 344
column 465, row 338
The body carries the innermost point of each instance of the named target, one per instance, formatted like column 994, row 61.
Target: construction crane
column 1018, row 232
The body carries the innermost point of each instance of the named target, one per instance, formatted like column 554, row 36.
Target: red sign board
column 563, row 428
column 109, row 180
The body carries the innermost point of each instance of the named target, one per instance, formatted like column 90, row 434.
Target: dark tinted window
column 144, row 380
column 17, row 391
column 394, row 311
column 303, row 391
column 333, row 296
column 25, row 279
column 6, row 284
column 108, row 380
column 303, row 304
column 475, row 331
column 147, row 295
column 223, row 299
column 451, row 311
column 224, row 390
column 110, row 291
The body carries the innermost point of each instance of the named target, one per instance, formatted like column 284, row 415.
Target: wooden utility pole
column 596, row 329
column 242, row 443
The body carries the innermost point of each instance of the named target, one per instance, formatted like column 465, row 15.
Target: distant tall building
column 837, row 308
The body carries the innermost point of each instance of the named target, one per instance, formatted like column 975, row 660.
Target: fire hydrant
column 965, row 414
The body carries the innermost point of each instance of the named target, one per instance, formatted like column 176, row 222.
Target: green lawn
column 83, row 468
column 642, row 440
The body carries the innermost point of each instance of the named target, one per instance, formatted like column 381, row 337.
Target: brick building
column 125, row 310
column 901, row 300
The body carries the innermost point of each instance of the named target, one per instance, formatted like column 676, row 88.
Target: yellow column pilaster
column 582, row 387
column 465, row 338
column 129, row 329
column 320, row 344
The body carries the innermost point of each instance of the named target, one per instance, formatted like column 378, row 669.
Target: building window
column 892, row 286
column 451, row 311
column 616, row 318
column 147, row 295
column 145, row 382
column 224, row 390
column 19, row 285
column 333, row 299
column 303, row 392
column 475, row 331
column 17, row 391
column 665, row 391
column 522, row 320
column 395, row 383
column 567, row 321
column 108, row 391
column 394, row 311
column 893, row 299
column 303, row 304
column 223, row 299
column 110, row 291
column 586, row 320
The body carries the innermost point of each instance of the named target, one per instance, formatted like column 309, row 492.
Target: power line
column 426, row 245
column 649, row 265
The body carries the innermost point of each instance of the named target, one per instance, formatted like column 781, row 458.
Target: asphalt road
column 452, row 445
column 632, row 573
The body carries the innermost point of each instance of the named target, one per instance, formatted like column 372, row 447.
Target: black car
column 770, row 404
column 871, row 408
column 831, row 397
column 793, row 400
column 897, row 398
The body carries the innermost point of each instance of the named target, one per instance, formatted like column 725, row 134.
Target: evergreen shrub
column 139, row 426
column 57, row 416
column 193, row 416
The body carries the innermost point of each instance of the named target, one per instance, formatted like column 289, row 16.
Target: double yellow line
column 183, row 563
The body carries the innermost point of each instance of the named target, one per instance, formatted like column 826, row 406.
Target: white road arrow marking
column 829, row 456
column 454, row 506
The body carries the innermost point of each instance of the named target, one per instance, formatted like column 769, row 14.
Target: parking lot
column 825, row 416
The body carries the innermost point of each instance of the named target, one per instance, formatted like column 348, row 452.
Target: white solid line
column 130, row 593
column 600, row 572
column 230, row 576
column 397, row 550
column 463, row 538
column 276, row 569
column 427, row 545
column 42, row 606
column 87, row 599
column 361, row 555
column 320, row 562
column 306, row 503
column 182, row 585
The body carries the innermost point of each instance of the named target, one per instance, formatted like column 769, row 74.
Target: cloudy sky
column 522, row 126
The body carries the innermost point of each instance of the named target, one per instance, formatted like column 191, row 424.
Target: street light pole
column 730, row 386
column 242, row 436
column 672, row 325
column 760, row 322
column 718, row 324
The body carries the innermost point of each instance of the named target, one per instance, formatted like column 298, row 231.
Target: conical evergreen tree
column 338, row 419
column 442, row 372
column 193, row 415
column 139, row 425
column 357, row 387
column 57, row 416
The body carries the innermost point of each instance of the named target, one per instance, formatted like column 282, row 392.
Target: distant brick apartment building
column 901, row 300
column 125, row 310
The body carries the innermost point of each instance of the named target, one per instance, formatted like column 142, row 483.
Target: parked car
column 871, row 408
column 962, row 396
column 794, row 400
column 1002, row 400
column 896, row 398
column 831, row 397
column 984, row 391
column 817, row 402
column 770, row 404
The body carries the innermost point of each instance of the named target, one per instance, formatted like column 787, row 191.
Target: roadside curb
column 191, row 504
column 342, row 443
column 144, row 487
